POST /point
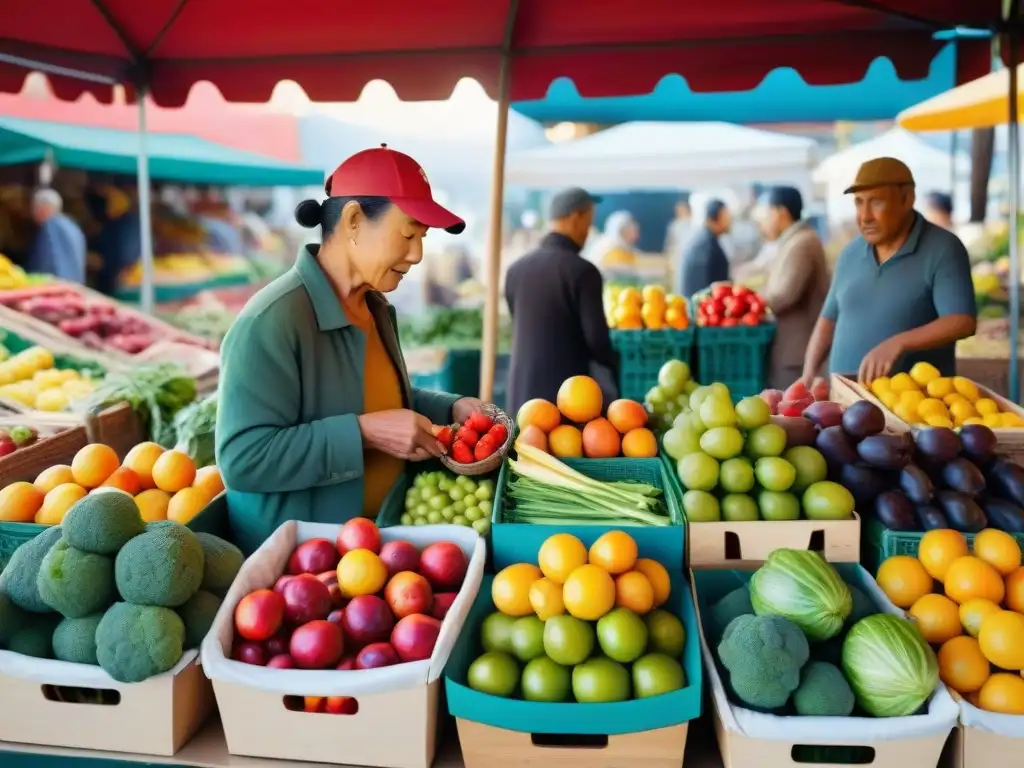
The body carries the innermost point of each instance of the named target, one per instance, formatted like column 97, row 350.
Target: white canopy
column 666, row 156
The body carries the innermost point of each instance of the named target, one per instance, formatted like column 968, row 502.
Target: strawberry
column 468, row 435
column 498, row 434
column 484, row 448
column 461, row 452
column 445, row 436
column 480, row 422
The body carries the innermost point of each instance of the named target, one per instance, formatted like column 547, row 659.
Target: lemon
column 986, row 406
column 53, row 399
column 889, row 399
column 546, row 599
column 510, row 589
column 560, row 555
column 902, row 382
column 993, row 420
column 938, row 421
column 940, row 387
column 974, row 420
column 1011, row 420
column 923, row 373
column 912, row 398
column 48, row 377
column 955, row 397
column 589, row 593
column 906, row 413
column 966, row 387
column 931, row 406
column 880, row 385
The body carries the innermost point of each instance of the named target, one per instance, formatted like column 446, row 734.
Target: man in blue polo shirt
column 901, row 293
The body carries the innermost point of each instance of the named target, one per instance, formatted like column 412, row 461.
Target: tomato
column 714, row 320
column 716, row 307
column 750, row 319
column 721, row 290
column 445, row 436
column 742, row 291
column 484, row 448
column 729, row 322
column 480, row 422
column 734, row 306
column 467, row 435
column 461, row 452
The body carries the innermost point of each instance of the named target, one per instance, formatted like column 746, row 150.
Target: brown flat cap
column 881, row 172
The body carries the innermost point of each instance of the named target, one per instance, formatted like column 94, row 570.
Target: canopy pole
column 953, row 149
column 145, row 224
column 489, row 347
column 1014, row 159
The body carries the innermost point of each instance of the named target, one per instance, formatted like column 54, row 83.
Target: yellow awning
column 981, row 103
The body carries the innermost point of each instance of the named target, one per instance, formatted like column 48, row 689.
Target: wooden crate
column 117, row 426
column 720, row 544
column 25, row 463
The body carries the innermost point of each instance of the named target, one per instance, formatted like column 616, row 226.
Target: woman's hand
column 401, row 433
column 465, row 408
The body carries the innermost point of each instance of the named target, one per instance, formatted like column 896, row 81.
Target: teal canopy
column 172, row 157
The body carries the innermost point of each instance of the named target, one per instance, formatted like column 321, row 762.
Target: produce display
column 799, row 640
column 968, row 602
column 109, row 589
column 725, row 305
column 13, row 438
column 31, row 379
column 477, row 439
column 632, row 309
column 797, row 398
column 584, row 626
column 452, row 327
column 165, row 485
column 671, row 395
column 11, row 275
column 577, row 425
column 184, row 268
column 439, row 497
column 735, row 464
column 925, row 397
column 194, row 426
column 155, row 392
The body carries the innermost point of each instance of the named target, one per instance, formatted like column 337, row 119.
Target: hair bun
column 307, row 213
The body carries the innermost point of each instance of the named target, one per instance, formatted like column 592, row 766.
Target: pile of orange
column 969, row 603
column 584, row 583
column 651, row 308
column 575, row 428
column 165, row 485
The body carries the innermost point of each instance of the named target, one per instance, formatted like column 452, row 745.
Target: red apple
column 306, row 598
column 399, row 556
column 358, row 533
column 341, row 705
column 281, row 661
column 408, row 593
column 444, row 564
column 313, row 556
column 330, row 578
column 281, row 582
column 337, row 616
column 442, row 602
column 414, row 637
column 277, row 645
column 259, row 614
column 316, row 645
column 376, row 655
column 367, row 619
column 250, row 653
column 347, row 664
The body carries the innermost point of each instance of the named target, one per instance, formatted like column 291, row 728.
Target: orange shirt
column 382, row 391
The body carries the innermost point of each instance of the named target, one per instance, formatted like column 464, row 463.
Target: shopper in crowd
column 555, row 297
column 797, row 281
column 938, row 209
column 59, row 245
column 615, row 248
column 704, row 261
column 317, row 417
column 680, row 229
column 119, row 243
column 901, row 292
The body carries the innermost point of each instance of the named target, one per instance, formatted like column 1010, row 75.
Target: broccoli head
column 22, row 571
column 76, row 583
column 823, row 692
column 161, row 566
column 198, row 614
column 35, row 636
column 74, row 640
column 763, row 655
column 222, row 561
column 102, row 523
column 736, row 603
column 12, row 618
column 135, row 642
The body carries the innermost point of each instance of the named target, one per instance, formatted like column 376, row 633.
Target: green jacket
column 291, row 391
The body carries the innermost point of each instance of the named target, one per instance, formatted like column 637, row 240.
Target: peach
column 408, row 593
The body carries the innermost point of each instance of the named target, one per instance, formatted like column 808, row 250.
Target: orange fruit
column 209, row 481
column 627, row 415
column 1014, row 597
column 1003, row 693
column 125, row 479
column 658, row 576
column 57, row 503
column 560, row 555
column 50, row 478
column 580, row 399
column 566, row 442
column 653, row 316
column 141, row 459
column 653, row 294
column 1002, row 640
column 510, row 589
column 938, row 549
column 633, row 590
column 589, row 593
column 93, row 464
column 971, row 576
column 615, row 551
column 533, row 435
column 153, row 504
column 539, row 413
column 546, row 599
column 360, row 572
column 904, row 580
column 19, row 502
column 173, row 471
column 974, row 612
column 676, row 318
column 630, row 297
column 962, row 665
column 601, row 440
column 999, row 549
column 627, row 318
column 640, row 444
column 938, row 618
column 186, row 504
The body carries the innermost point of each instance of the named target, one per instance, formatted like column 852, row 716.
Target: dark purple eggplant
column 915, row 482
column 962, row 511
column 896, row 512
column 961, row 475
column 885, row 451
column 931, row 517
column 1006, row 479
column 836, row 446
column 940, row 444
column 979, row 442
column 1002, row 514
column 863, row 482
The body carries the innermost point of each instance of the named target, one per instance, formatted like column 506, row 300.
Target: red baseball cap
column 383, row 172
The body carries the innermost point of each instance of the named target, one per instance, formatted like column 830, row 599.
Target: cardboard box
column 721, row 544
column 396, row 722
column 154, row 717
column 988, row 738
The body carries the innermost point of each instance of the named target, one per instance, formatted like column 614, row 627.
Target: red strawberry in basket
column 484, row 448
column 480, row 422
column 468, row 435
column 498, row 434
column 444, row 436
column 461, row 452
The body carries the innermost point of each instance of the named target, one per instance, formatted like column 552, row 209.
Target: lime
column 622, row 635
column 496, row 632
column 665, row 633
column 717, row 411
column 736, row 475
column 680, row 441
column 722, row 442
column 698, row 396
column 545, row 680
column 738, row 508
column 774, row 474
column 655, row 674
column 753, row 412
column 769, row 440
column 568, row 640
column 826, row 500
column 528, row 638
column 776, row 505
column 701, row 507
column 495, row 673
column 810, row 466
column 698, row 472
column 673, row 377
column 600, row 681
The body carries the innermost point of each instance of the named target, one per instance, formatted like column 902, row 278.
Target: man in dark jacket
column 555, row 297
column 704, row 262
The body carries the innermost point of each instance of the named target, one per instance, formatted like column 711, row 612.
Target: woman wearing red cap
column 316, row 414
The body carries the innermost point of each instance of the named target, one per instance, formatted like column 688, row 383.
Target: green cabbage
column 801, row 586
column 890, row 667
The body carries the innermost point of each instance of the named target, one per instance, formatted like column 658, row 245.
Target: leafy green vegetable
column 454, row 328
column 194, row 426
column 155, row 392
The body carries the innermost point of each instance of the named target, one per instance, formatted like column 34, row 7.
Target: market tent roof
column 605, row 47
column 172, row 157
column 981, row 103
column 666, row 156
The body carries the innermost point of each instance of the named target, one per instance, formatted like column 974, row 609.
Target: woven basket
column 492, row 462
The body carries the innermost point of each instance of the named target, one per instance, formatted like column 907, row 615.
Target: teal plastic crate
column 737, row 357
column 879, row 543
column 572, row 718
column 519, row 542
column 643, row 352
column 460, row 375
